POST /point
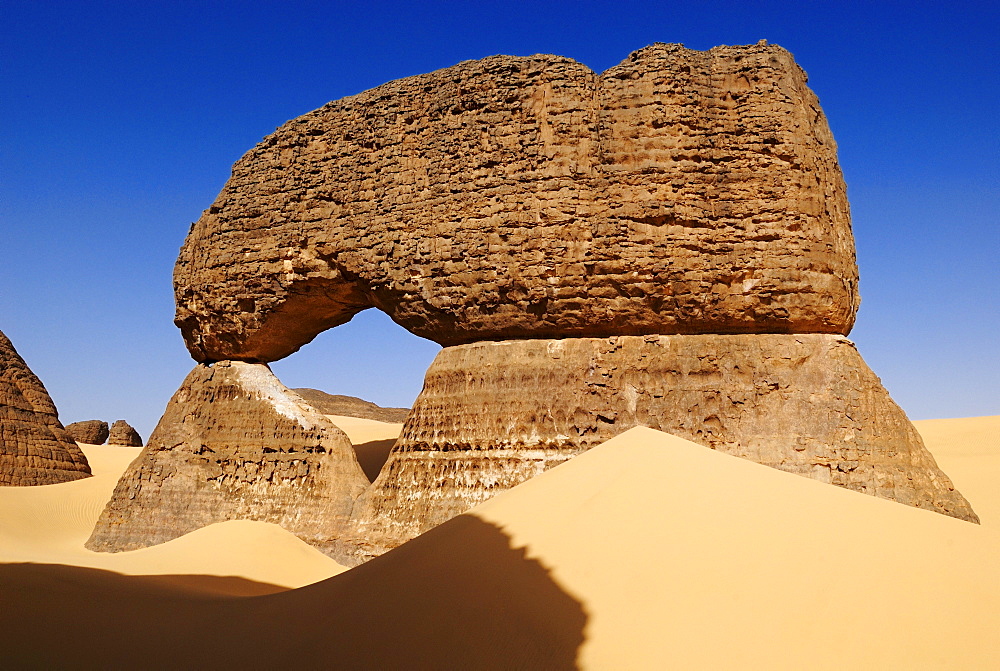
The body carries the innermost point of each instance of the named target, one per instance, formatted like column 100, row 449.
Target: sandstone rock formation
column 666, row 243
column 494, row 414
column 90, row 431
column 351, row 406
column 122, row 433
column 234, row 443
column 34, row 447
column 679, row 192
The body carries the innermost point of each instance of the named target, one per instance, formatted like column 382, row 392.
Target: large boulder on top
column 34, row 447
column 90, row 431
column 122, row 433
column 680, row 191
column 234, row 443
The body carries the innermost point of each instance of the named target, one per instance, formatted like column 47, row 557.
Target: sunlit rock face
column 35, row 449
column 494, row 414
column 234, row 443
column 525, row 197
column 666, row 243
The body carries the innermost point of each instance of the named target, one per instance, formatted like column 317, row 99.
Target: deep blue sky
column 119, row 123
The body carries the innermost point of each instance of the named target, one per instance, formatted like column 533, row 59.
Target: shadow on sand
column 373, row 455
column 457, row 597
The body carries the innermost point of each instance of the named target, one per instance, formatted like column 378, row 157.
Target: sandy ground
column 647, row 552
column 49, row 525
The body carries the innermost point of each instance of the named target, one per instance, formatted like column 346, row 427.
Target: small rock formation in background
column 90, row 431
column 666, row 243
column 234, row 443
column 351, row 406
column 34, row 447
column 122, row 433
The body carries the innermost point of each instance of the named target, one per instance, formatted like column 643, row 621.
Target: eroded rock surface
column 234, row 443
column 494, row 414
column 678, row 192
column 90, row 431
column 350, row 406
column 34, row 447
column 666, row 243
column 122, row 433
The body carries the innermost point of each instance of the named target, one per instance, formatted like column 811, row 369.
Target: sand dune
column 48, row 525
column 683, row 556
column 646, row 552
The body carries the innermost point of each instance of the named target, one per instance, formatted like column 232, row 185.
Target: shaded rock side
column 681, row 191
column 34, row 447
column 234, row 443
column 122, row 433
column 89, row 431
column 351, row 406
column 492, row 415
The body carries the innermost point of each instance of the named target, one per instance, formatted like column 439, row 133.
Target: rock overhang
column 517, row 197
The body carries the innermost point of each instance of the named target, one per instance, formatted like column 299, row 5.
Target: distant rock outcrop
column 34, row 447
column 234, row 443
column 122, row 433
column 350, row 406
column 89, row 431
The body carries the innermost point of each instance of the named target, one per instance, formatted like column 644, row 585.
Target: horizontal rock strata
column 234, row 443
column 34, row 447
column 494, row 414
column 681, row 191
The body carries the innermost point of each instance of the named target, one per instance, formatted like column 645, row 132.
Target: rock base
column 234, row 443
column 494, row 414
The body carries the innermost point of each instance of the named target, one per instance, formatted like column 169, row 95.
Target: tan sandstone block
column 234, row 443
column 681, row 191
column 494, row 414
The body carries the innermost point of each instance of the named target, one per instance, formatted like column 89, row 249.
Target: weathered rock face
column 494, row 414
column 667, row 243
column 122, row 433
column 34, row 447
column 678, row 192
column 234, row 443
column 351, row 406
column 90, row 431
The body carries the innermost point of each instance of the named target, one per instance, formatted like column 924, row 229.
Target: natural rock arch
column 667, row 243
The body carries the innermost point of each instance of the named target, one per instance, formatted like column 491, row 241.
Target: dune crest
column 646, row 552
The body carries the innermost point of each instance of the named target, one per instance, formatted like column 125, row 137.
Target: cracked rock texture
column 234, row 443
column 494, row 414
column 680, row 191
column 666, row 243
column 122, row 433
column 34, row 447
column 90, row 431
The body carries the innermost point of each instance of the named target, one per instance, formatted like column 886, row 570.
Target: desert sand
column 49, row 524
column 646, row 552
